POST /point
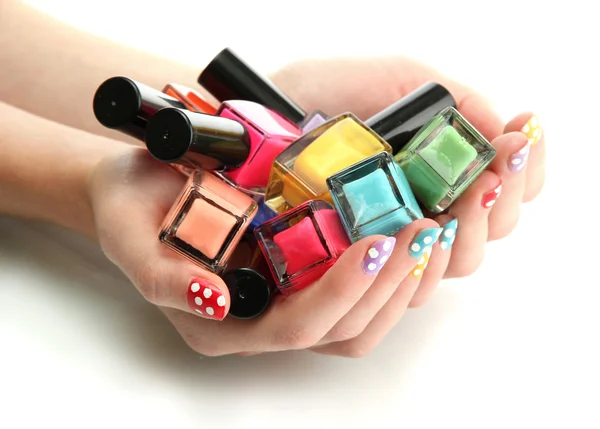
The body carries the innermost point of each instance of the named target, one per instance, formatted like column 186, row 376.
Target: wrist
column 45, row 169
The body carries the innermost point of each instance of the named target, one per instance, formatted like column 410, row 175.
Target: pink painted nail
column 378, row 255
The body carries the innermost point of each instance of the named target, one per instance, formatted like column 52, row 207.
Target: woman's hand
column 489, row 209
column 347, row 312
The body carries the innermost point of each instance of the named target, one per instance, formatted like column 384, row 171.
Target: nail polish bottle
column 264, row 213
column 228, row 77
column 251, row 286
column 243, row 140
column 443, row 159
column 270, row 133
column 249, row 292
column 399, row 123
column 299, row 173
column 373, row 197
column 207, row 221
column 190, row 98
column 125, row 105
column 302, row 244
column 197, row 140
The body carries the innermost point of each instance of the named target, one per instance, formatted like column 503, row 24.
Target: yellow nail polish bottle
column 300, row 172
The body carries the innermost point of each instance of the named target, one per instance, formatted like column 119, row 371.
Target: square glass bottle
column 373, row 197
column 300, row 172
column 207, row 221
column 443, row 159
column 269, row 133
column 302, row 244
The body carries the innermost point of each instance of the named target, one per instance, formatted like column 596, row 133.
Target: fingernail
column 422, row 264
column 490, row 198
column 518, row 159
column 378, row 255
column 206, row 299
column 532, row 130
column 449, row 234
column 423, row 241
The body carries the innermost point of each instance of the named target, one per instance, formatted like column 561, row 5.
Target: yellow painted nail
column 421, row 265
column 532, row 130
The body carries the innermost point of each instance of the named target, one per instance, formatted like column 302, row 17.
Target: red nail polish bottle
column 192, row 99
column 302, row 244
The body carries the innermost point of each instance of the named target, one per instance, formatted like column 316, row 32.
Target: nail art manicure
column 206, row 299
column 378, row 254
column 449, row 234
column 424, row 240
column 532, row 130
column 490, row 198
column 518, row 159
column 421, row 265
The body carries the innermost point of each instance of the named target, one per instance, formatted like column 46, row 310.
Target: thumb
column 131, row 196
column 182, row 285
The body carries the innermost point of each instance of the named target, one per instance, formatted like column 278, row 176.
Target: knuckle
column 418, row 301
column 202, row 347
column 503, row 228
column 357, row 350
column 344, row 333
column 295, row 338
column 532, row 192
column 466, row 270
column 146, row 280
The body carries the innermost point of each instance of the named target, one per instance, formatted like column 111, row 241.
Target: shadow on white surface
column 79, row 290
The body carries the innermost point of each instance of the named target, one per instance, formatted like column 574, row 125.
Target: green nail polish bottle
column 443, row 159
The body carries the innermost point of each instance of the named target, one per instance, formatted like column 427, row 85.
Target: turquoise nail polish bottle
column 443, row 159
column 373, row 197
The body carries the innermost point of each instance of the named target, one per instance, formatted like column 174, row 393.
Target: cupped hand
column 347, row 312
column 489, row 208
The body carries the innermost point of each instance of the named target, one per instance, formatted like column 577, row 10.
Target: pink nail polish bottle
column 241, row 141
column 302, row 244
column 228, row 77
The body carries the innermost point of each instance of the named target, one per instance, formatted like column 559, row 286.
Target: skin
column 58, row 165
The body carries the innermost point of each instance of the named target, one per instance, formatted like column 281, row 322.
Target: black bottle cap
column 399, row 122
column 197, row 139
column 125, row 105
column 228, row 77
column 250, row 293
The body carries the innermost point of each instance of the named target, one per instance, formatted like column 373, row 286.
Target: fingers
column 472, row 215
column 399, row 265
column 162, row 277
column 388, row 316
column 438, row 262
column 311, row 313
column 300, row 320
column 390, row 78
column 510, row 164
column 529, row 124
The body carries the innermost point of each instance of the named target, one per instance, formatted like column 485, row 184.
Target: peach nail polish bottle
column 207, row 221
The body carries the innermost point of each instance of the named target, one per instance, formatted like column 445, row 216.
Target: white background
column 515, row 345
